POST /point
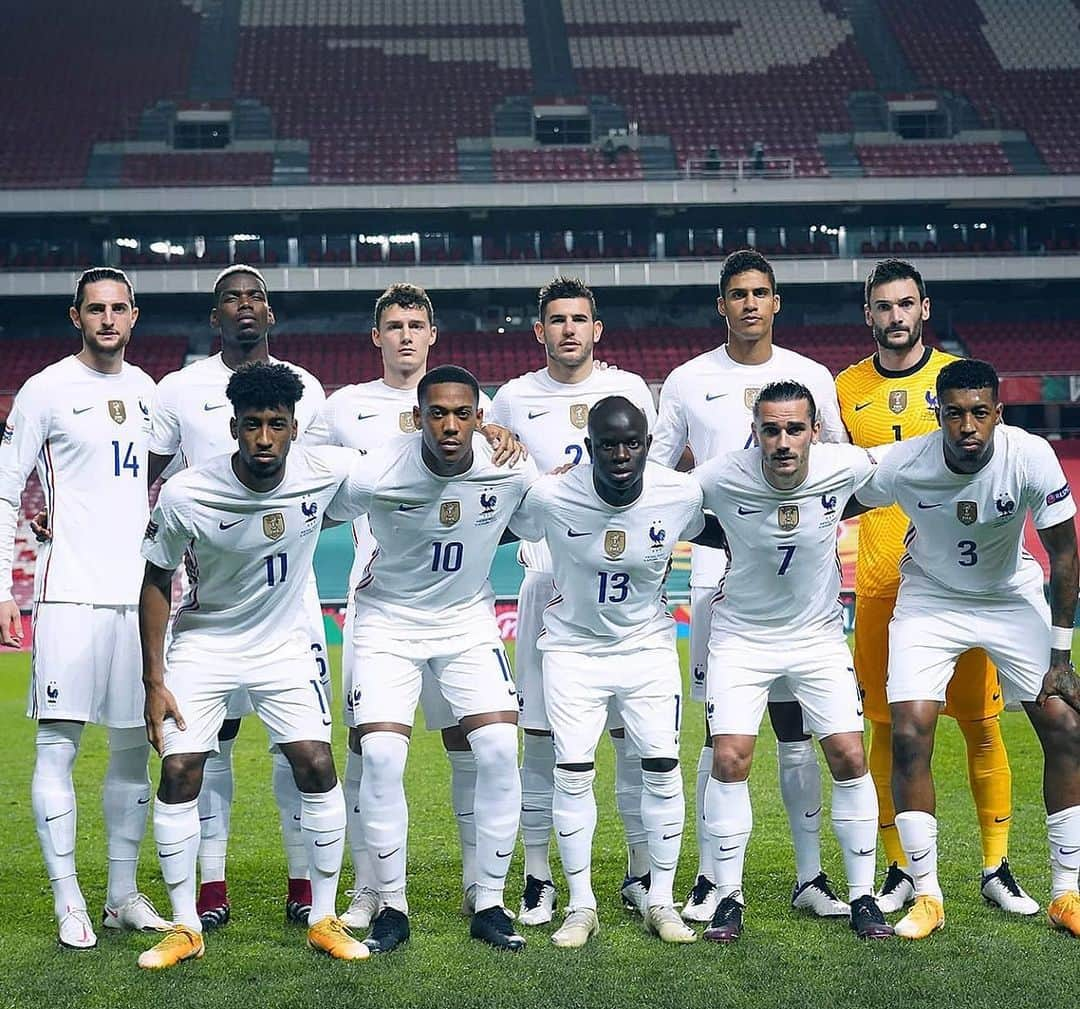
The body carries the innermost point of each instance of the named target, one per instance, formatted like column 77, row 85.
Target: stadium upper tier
column 329, row 91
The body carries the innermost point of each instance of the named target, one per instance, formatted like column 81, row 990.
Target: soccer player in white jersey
column 191, row 425
column 967, row 581
column 245, row 525
column 609, row 642
column 378, row 415
column 776, row 615
column 549, row 410
column 705, row 406
column 437, row 507
column 84, row 423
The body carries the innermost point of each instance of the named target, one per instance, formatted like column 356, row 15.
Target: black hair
column 967, row 373
column 263, row 386
column 611, row 404
column 786, row 391
column 445, row 374
column 96, row 273
column 740, row 262
column 892, row 269
column 565, row 287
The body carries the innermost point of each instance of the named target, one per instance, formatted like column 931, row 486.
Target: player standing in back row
column 84, row 423
column 549, row 411
column 706, row 405
column 886, row 398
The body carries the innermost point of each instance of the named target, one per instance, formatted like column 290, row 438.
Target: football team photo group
column 174, row 598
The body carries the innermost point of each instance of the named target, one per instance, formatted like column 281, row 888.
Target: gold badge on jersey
column 614, row 542
column 579, row 414
column 406, row 422
column 117, row 410
column 449, row 512
column 898, row 400
column 749, row 397
column 274, row 526
column 787, row 517
column 967, row 512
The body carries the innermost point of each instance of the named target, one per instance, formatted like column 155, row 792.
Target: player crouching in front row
column 246, row 528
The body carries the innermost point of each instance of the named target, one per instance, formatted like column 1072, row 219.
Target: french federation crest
column 274, row 525
column 750, row 396
column 406, row 422
column 614, row 542
column 117, row 410
column 787, row 517
column 967, row 512
column 579, row 414
column 898, row 400
column 449, row 512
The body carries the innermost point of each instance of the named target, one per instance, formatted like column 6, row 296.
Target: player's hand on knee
column 10, row 624
column 1060, row 681
column 507, row 449
column 160, row 704
column 39, row 526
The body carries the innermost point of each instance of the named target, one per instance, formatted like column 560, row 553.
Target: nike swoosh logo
column 408, row 508
column 1068, row 851
column 366, row 416
column 919, row 858
column 389, row 853
column 213, row 406
column 865, row 851
column 327, row 721
column 143, row 802
column 296, row 818
column 203, row 819
column 997, row 696
column 862, row 406
column 1002, row 819
column 668, row 837
column 734, row 847
column 570, row 833
column 167, row 854
column 749, row 511
column 886, row 826
column 524, row 809
column 49, row 819
column 503, row 854
column 356, row 809
column 810, row 816
column 229, row 525
column 573, row 535
column 927, row 507
column 326, row 844
column 77, row 410
column 533, row 414
column 710, row 396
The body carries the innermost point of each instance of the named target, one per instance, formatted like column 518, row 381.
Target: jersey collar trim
column 917, row 366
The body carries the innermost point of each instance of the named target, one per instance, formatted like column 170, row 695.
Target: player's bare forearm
column 1060, row 544
column 712, row 535
column 154, row 599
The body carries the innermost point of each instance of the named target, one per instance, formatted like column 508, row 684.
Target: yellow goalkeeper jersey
column 878, row 407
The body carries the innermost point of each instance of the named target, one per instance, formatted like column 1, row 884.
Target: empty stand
column 562, row 163
column 198, row 169
column 156, row 355
column 1024, row 348
column 934, row 159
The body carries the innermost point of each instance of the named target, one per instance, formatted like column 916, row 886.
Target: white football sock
column 854, row 819
column 176, row 832
column 800, row 788
column 215, row 811
column 663, row 811
column 462, row 797
column 1063, row 831
column 322, row 824
column 385, row 813
column 575, row 823
column 918, row 834
column 125, row 799
column 52, row 799
column 628, row 800
column 290, row 812
column 361, row 857
column 537, row 789
column 704, row 842
column 496, row 808
column 730, row 818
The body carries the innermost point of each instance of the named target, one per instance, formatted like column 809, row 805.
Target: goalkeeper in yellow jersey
column 884, row 398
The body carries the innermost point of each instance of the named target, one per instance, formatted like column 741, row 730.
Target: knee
column 1059, row 730
column 576, row 780
column 384, row 756
column 848, row 760
column 313, row 768
column 730, row 762
column 454, row 739
column 181, row 777
column 495, row 746
column 661, row 778
column 910, row 746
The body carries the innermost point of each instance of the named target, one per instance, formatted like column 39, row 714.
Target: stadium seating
column 71, row 80
column 934, row 159
column 201, row 169
column 561, row 163
column 1024, row 347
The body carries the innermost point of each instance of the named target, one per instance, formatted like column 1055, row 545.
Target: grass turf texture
column 982, row 957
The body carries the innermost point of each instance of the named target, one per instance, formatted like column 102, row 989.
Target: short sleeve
column 168, row 532
column 1049, row 494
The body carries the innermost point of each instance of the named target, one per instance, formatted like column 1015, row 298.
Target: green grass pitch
column 982, row 958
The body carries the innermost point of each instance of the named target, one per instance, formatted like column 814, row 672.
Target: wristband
column 1061, row 638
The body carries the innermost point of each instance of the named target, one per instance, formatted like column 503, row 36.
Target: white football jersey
column 783, row 578
column 87, row 434
column 373, row 416
column 550, row 419
column 967, row 530
column 707, row 403
column 436, row 539
column 192, row 413
column 248, row 555
column 609, row 562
